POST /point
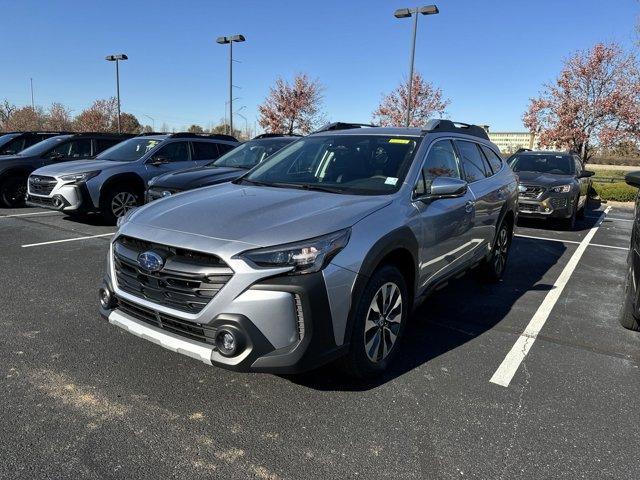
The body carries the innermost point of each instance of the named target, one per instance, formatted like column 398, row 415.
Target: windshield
column 551, row 163
column 43, row 146
column 357, row 164
column 7, row 137
column 249, row 154
column 129, row 150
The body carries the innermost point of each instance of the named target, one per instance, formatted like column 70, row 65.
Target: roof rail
column 148, row 134
column 100, row 134
column 217, row 136
column 275, row 135
column 342, row 126
column 440, row 125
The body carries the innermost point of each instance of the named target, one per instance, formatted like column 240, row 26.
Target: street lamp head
column 113, row 58
column 402, row 13
column 232, row 38
column 429, row 10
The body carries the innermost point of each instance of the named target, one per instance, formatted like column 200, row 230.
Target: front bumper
column 296, row 306
column 559, row 206
column 64, row 198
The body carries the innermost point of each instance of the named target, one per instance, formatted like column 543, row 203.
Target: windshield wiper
column 256, row 182
column 311, row 186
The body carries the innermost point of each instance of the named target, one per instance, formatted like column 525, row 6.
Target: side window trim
column 455, row 144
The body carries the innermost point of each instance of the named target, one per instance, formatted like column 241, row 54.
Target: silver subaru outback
column 319, row 253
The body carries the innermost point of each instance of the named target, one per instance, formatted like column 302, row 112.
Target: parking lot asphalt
column 83, row 399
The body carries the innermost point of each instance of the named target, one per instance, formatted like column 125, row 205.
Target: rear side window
column 473, row 162
column 205, row 151
column 103, row 143
column 13, row 146
column 74, row 149
column 225, row 147
column 174, row 152
column 494, row 160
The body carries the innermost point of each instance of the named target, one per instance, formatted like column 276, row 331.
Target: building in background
column 509, row 142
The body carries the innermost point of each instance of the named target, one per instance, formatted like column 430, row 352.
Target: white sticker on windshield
column 391, row 181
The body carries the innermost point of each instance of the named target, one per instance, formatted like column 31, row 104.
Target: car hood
column 197, row 177
column 77, row 166
column 544, row 179
column 257, row 215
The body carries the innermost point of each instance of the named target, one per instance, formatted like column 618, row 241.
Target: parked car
column 320, row 252
column 630, row 313
column 15, row 169
column 115, row 181
column 553, row 185
column 228, row 167
column 14, row 142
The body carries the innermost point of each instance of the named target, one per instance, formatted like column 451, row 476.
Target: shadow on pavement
column 458, row 313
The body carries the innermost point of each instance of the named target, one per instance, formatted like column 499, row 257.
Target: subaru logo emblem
column 36, row 180
column 150, row 261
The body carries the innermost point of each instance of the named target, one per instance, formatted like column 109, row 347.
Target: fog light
column 107, row 300
column 227, row 343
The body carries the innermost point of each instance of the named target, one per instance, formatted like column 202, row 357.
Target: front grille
column 532, row 191
column 528, row 207
column 44, row 201
column 187, row 281
column 558, row 203
column 40, row 185
column 157, row 193
column 194, row 331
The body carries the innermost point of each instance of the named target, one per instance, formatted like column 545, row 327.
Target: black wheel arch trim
column 129, row 177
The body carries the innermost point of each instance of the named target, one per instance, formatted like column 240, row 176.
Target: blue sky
column 489, row 57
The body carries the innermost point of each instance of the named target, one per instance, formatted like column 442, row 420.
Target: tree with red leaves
column 594, row 102
column 292, row 107
column 426, row 101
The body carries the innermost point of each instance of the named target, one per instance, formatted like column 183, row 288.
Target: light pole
column 406, row 13
column 223, row 41
column 117, row 58
column 153, row 122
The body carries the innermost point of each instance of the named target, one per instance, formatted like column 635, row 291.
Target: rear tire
column 117, row 202
column 492, row 269
column 380, row 318
column 13, row 191
column 627, row 314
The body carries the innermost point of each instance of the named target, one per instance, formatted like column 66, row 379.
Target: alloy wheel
column 383, row 322
column 501, row 250
column 122, row 203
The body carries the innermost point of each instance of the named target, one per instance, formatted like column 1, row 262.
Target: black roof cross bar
column 439, row 125
column 342, row 126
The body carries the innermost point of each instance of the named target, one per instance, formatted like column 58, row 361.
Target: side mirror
column 157, row 161
column 586, row 174
column 445, row 187
column 633, row 179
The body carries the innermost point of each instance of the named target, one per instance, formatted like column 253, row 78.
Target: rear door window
column 174, row 152
column 473, row 162
column 494, row 160
column 205, row 151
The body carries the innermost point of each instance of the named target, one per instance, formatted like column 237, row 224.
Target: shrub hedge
column 617, row 191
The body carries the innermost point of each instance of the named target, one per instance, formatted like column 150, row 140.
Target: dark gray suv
column 320, row 252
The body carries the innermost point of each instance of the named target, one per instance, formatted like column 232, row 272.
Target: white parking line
column 568, row 241
column 26, row 214
column 518, row 352
column 613, row 218
column 66, row 240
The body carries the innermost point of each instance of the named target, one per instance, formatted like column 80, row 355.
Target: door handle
column 469, row 206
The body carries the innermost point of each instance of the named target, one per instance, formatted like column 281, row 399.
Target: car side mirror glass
column 633, row 179
column 586, row 174
column 445, row 187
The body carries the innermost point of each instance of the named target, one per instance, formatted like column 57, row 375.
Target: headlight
column 307, row 256
column 79, row 177
column 561, row 189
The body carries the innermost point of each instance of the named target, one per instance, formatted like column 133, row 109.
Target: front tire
column 379, row 322
column 13, row 191
column 627, row 314
column 117, row 202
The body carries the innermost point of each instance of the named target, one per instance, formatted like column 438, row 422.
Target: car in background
column 317, row 254
column 14, row 142
column 228, row 167
column 552, row 185
column 630, row 312
column 116, row 180
column 15, row 169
